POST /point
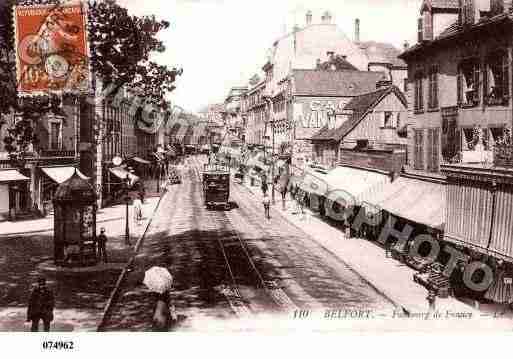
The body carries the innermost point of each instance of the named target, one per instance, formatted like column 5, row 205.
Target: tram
column 216, row 185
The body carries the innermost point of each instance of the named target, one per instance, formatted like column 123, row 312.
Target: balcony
column 57, row 153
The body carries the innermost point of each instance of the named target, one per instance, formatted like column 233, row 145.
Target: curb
column 117, row 287
column 51, row 229
column 380, row 291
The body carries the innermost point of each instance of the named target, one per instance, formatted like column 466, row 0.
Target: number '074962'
column 58, row 345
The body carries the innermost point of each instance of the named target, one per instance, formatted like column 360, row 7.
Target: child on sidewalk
column 267, row 203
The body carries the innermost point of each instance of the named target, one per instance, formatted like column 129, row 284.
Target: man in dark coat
column 40, row 306
column 102, row 246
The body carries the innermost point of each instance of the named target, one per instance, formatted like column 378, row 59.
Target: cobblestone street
column 190, row 240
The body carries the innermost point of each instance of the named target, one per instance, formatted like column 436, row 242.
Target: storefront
column 13, row 193
column 480, row 222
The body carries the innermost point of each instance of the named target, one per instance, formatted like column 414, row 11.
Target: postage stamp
column 51, row 48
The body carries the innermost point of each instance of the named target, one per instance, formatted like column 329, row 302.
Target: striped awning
column 417, row 200
column 122, row 174
column 62, row 174
column 470, row 215
column 360, row 184
column 12, row 175
column 501, row 242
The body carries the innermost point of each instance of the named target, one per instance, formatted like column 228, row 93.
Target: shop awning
column 501, row 243
column 12, row 176
column 361, row 184
column 122, row 173
column 180, row 134
column 140, row 160
column 62, row 174
column 417, row 200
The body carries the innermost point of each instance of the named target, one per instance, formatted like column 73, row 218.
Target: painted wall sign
column 51, row 48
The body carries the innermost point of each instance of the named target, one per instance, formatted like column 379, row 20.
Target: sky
column 223, row 43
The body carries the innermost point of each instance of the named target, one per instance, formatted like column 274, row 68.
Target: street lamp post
column 127, row 229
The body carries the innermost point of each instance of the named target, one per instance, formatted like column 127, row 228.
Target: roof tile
column 334, row 83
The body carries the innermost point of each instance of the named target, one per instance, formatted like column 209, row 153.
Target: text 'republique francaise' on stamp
column 52, row 52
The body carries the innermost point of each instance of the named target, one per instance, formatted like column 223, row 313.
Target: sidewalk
column 391, row 278
column 41, row 225
column 80, row 301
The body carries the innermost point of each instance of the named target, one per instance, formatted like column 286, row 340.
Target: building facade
column 459, row 83
column 367, row 128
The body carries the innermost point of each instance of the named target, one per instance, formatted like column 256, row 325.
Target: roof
column 334, row 83
column 75, row 189
column 380, row 52
column 454, row 30
column 360, row 105
column 340, row 62
column 441, row 4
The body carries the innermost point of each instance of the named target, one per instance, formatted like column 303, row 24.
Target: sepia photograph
column 264, row 167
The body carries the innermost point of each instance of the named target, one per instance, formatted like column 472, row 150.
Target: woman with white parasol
column 159, row 281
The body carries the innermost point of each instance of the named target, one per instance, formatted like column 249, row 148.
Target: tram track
column 244, row 277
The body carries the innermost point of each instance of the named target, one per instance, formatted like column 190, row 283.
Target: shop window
column 468, row 82
column 433, row 88
column 496, row 84
column 490, row 136
column 419, row 93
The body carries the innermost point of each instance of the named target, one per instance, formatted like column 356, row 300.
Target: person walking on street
column 267, row 203
column 137, row 210
column 102, row 246
column 40, row 307
column 264, row 185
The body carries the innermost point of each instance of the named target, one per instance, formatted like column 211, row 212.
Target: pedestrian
column 137, row 210
column 164, row 315
column 264, row 185
column 267, row 203
column 102, row 245
column 40, row 307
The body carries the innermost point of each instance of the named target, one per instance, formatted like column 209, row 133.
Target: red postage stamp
column 51, row 48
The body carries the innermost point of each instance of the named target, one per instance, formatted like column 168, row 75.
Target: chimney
column 331, row 55
column 406, row 45
column 309, row 17
column 344, row 57
column 357, row 30
column 318, row 64
column 326, row 17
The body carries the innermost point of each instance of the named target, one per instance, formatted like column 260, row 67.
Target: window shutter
column 477, row 71
column 435, row 88
column 459, row 81
column 427, row 23
column 505, row 75
column 420, row 36
column 435, row 149
column 382, row 118
column 421, row 94
column 486, row 91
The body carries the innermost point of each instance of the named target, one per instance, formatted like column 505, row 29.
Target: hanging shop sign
column 52, row 52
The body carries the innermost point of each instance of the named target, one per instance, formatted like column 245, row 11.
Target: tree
column 120, row 47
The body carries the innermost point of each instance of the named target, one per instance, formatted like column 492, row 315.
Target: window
column 55, row 136
column 419, row 93
column 433, row 151
column 418, row 156
column 433, row 88
column 388, row 120
column 496, row 84
column 468, row 82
